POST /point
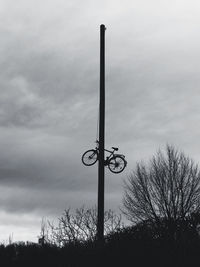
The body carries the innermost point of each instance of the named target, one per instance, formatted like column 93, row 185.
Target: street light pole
column 100, row 219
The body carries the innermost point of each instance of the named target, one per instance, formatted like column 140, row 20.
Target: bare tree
column 167, row 189
column 80, row 225
column 43, row 238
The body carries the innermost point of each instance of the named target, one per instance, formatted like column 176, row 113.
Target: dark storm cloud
column 25, row 201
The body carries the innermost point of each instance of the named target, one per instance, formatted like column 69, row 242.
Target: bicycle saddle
column 115, row 148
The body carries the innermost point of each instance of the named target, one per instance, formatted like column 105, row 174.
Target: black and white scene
column 99, row 133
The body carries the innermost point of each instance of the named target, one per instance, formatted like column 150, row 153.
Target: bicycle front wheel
column 90, row 157
column 117, row 164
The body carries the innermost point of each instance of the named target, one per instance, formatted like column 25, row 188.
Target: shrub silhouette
column 78, row 226
column 137, row 245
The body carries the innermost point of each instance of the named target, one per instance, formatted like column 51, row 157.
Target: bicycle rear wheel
column 90, row 157
column 117, row 164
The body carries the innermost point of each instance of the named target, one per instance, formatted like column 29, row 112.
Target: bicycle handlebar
column 114, row 148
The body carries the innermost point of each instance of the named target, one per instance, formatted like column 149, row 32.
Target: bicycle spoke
column 116, row 164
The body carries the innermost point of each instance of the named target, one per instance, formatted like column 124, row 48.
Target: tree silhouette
column 166, row 193
column 79, row 226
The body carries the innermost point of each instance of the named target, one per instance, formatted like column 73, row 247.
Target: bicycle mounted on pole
column 115, row 162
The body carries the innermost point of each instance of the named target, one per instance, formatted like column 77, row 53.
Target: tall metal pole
column 100, row 220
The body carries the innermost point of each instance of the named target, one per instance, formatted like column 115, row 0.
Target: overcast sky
column 49, row 84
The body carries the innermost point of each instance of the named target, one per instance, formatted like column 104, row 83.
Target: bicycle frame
column 112, row 153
